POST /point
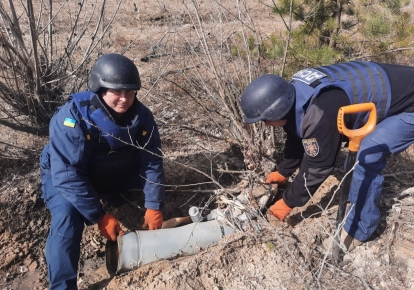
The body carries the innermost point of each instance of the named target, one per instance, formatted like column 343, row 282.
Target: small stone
column 23, row 269
column 33, row 266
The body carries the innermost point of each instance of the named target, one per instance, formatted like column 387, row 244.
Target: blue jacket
column 90, row 153
column 362, row 82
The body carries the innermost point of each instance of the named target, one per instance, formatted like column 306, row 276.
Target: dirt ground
column 268, row 254
column 282, row 255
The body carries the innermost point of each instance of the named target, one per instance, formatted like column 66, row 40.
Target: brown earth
column 283, row 255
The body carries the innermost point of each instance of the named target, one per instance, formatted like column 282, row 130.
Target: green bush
column 377, row 26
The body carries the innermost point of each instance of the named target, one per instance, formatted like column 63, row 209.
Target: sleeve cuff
column 154, row 205
column 96, row 218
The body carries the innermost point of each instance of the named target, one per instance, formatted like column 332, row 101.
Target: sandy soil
column 283, row 255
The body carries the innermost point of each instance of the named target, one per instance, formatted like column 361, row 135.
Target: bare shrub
column 38, row 67
column 201, row 66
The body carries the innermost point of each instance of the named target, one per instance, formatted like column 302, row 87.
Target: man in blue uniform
column 307, row 109
column 102, row 141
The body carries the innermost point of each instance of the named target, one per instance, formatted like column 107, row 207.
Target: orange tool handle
column 355, row 136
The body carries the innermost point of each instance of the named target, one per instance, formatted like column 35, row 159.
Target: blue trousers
column 63, row 242
column 65, row 235
column 391, row 136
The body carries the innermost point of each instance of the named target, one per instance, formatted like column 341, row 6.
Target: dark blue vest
column 362, row 82
column 113, row 158
column 98, row 121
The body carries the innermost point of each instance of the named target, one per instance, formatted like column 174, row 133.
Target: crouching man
column 307, row 109
column 90, row 155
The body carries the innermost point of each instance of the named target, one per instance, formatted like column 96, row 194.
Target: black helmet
column 267, row 98
column 114, row 71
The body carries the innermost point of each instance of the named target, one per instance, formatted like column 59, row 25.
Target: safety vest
column 113, row 158
column 362, row 82
column 98, row 122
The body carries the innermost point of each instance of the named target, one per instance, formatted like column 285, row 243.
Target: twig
column 120, row 193
column 193, row 129
column 384, row 52
column 155, row 154
column 233, row 171
column 392, row 236
column 226, row 190
column 339, row 185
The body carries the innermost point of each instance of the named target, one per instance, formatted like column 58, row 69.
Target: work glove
column 153, row 219
column 280, row 209
column 109, row 227
column 275, row 177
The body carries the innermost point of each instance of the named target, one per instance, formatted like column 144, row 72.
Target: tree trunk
column 337, row 13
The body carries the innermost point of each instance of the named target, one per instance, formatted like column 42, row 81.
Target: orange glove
column 153, row 219
column 109, row 227
column 280, row 209
column 275, row 177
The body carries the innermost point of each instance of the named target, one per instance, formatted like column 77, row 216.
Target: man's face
column 119, row 100
column 278, row 123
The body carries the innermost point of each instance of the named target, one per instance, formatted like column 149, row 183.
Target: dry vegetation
column 194, row 60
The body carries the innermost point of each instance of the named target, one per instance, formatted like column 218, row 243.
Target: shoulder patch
column 311, row 147
column 69, row 122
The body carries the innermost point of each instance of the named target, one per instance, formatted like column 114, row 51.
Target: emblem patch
column 69, row 122
column 311, row 147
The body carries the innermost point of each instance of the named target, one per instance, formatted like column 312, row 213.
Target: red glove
column 280, row 209
column 109, row 227
column 275, row 177
column 153, row 219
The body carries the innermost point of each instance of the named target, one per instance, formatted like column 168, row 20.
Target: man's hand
column 280, row 209
column 275, row 177
column 109, row 227
column 153, row 219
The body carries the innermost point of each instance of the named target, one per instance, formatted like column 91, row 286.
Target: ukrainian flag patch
column 69, row 122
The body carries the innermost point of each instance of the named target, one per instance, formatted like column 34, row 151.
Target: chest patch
column 308, row 75
column 311, row 147
column 69, row 122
